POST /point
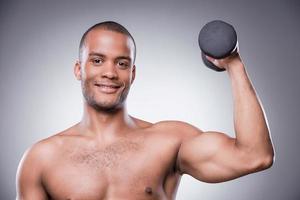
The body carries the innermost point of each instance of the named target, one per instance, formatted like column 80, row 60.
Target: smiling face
column 106, row 69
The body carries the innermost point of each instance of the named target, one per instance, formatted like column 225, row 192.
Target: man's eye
column 123, row 64
column 97, row 61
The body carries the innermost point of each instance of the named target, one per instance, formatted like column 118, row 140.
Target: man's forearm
column 251, row 128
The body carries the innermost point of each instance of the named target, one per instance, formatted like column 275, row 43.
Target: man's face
column 106, row 69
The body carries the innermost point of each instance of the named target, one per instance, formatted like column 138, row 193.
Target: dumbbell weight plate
column 217, row 39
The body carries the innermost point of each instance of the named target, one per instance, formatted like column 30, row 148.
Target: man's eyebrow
column 96, row 54
column 102, row 55
column 124, row 57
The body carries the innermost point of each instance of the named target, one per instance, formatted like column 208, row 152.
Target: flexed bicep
column 213, row 157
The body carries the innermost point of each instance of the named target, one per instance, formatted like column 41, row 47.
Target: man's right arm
column 29, row 179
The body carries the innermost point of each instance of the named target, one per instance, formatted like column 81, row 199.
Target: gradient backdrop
column 40, row 95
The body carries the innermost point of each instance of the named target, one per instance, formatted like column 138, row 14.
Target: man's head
column 106, row 65
column 107, row 25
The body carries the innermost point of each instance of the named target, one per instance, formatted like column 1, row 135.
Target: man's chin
column 104, row 103
column 106, row 107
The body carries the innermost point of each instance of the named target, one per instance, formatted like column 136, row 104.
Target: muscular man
column 112, row 155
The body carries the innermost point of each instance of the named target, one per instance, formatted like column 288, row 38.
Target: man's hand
column 226, row 63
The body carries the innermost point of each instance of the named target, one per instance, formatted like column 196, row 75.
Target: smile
column 108, row 88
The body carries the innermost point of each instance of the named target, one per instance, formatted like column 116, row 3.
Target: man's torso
column 140, row 165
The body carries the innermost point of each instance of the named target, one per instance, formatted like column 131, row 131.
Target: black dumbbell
column 218, row 40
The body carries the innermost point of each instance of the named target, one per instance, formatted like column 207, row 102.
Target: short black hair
column 107, row 25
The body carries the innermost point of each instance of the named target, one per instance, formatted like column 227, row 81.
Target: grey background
column 40, row 95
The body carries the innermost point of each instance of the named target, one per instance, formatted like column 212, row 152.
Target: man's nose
column 110, row 71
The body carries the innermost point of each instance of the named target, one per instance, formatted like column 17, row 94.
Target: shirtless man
column 112, row 155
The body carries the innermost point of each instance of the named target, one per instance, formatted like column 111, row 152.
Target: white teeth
column 108, row 86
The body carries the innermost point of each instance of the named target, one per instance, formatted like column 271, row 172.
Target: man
column 112, row 155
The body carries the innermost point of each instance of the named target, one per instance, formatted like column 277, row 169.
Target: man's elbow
column 268, row 161
column 263, row 162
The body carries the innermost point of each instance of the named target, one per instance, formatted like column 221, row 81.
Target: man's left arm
column 216, row 157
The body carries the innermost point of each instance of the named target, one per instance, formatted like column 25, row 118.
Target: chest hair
column 110, row 156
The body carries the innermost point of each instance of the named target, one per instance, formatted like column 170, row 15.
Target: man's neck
column 105, row 124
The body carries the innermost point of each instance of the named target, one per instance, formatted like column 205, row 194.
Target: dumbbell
column 218, row 40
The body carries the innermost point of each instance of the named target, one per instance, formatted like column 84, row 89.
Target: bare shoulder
column 175, row 129
column 43, row 150
column 38, row 153
column 181, row 129
column 33, row 162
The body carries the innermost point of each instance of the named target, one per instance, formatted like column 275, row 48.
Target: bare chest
column 125, row 169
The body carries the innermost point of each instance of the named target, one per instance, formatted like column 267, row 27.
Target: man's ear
column 133, row 74
column 77, row 70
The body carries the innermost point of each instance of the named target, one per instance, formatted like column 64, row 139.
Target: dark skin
column 112, row 155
